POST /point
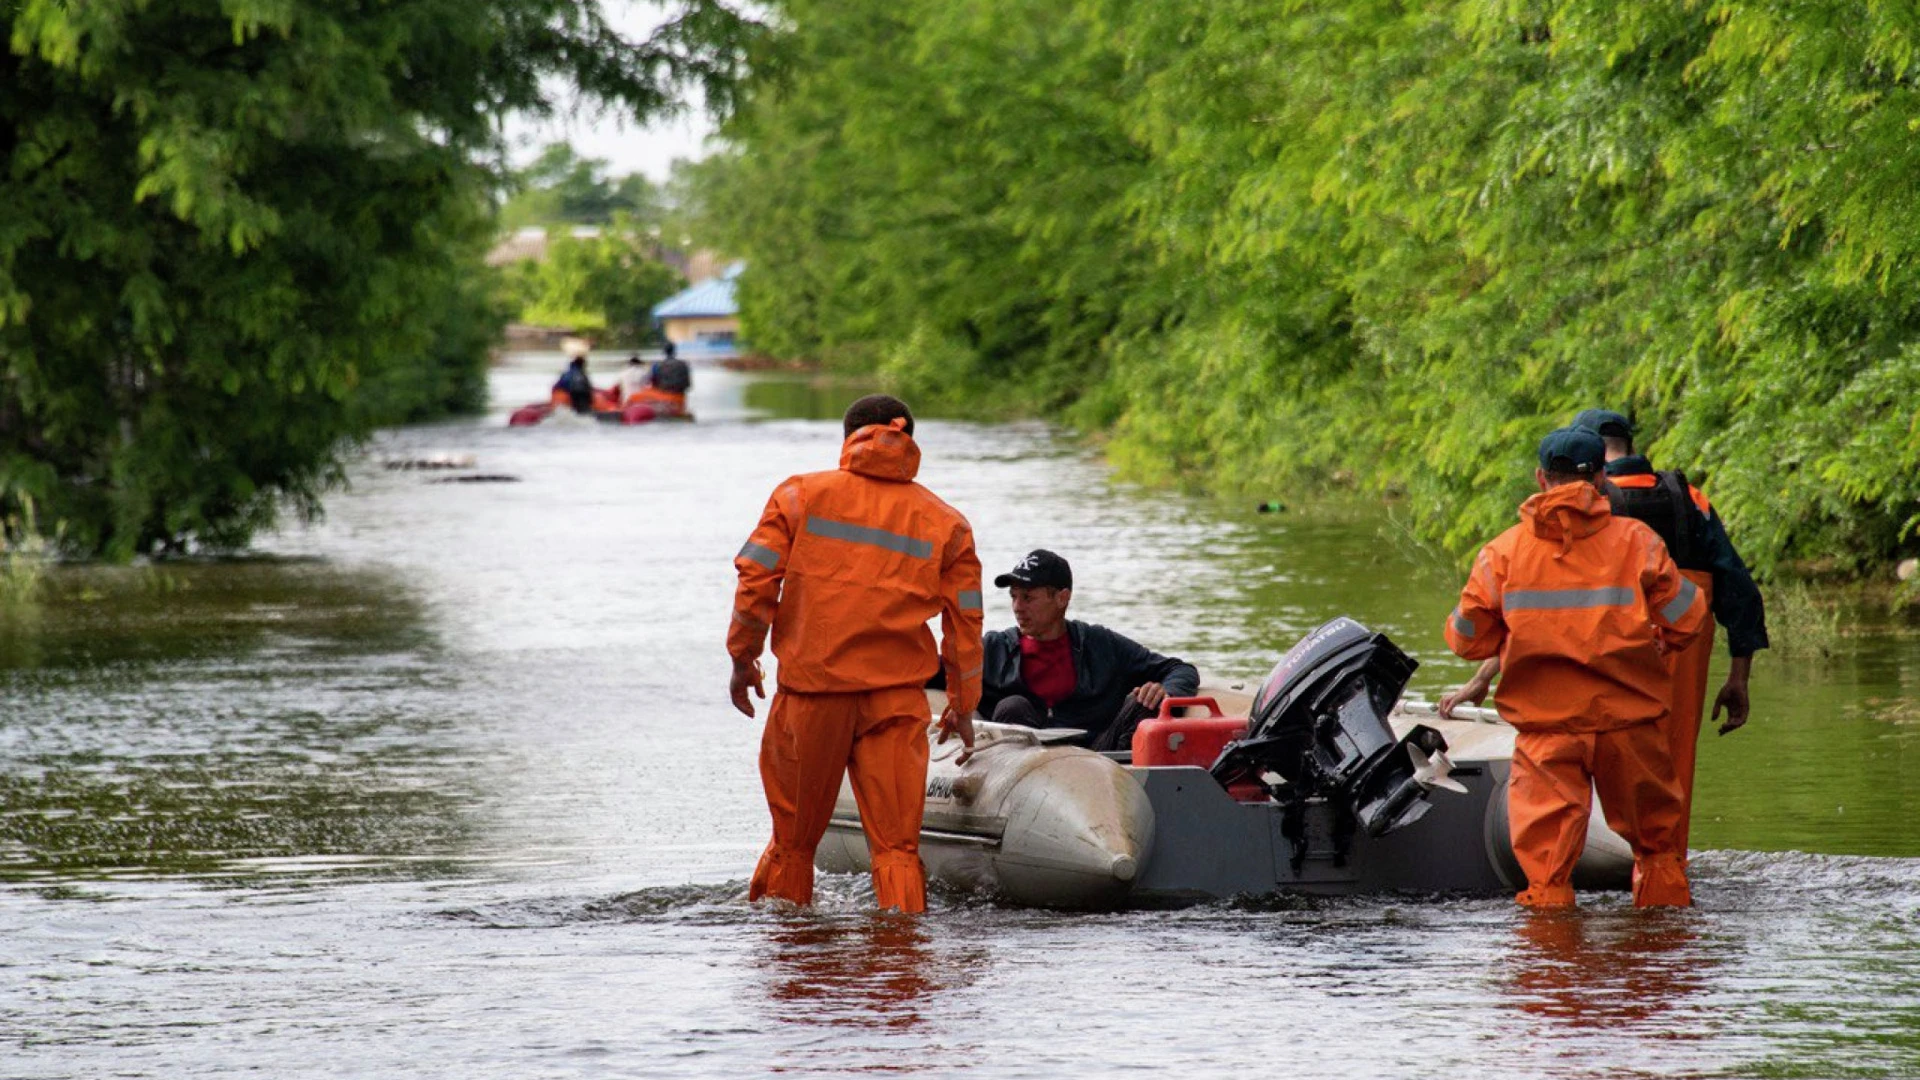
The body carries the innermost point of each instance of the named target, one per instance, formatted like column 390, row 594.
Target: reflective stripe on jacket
column 846, row 568
column 1576, row 602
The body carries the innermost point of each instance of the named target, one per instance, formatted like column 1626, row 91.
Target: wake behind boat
column 1335, row 786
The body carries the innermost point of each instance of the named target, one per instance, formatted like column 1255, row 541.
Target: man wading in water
column 846, row 567
column 1582, row 607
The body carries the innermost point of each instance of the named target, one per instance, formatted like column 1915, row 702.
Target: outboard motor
column 1319, row 723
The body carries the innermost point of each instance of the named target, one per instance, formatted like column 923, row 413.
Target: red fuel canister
column 1191, row 740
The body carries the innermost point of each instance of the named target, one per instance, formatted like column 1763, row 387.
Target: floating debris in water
column 478, row 478
column 430, row 461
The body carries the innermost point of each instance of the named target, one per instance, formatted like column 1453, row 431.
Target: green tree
column 236, row 229
column 561, row 187
column 1273, row 246
column 607, row 283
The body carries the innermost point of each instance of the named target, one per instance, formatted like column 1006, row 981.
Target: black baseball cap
column 1573, row 450
column 1606, row 422
column 1042, row 568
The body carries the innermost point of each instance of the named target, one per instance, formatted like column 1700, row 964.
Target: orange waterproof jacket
column 1578, row 604
column 848, row 566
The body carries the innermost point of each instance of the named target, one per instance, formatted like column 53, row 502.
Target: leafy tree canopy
column 1273, row 246
column 561, row 187
column 239, row 232
column 606, row 283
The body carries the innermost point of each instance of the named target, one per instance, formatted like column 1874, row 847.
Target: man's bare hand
column 1150, row 695
column 953, row 722
column 1472, row 693
column 1732, row 698
column 746, row 674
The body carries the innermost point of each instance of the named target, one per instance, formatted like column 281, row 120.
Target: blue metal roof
column 711, row 298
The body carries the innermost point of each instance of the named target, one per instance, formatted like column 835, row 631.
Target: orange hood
column 1566, row 513
column 883, row 452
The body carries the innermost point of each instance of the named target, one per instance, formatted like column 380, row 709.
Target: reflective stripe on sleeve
column 1524, row 599
column 862, row 534
column 1461, row 624
column 974, row 673
column 1680, row 603
column 765, row 556
column 748, row 621
column 970, row 600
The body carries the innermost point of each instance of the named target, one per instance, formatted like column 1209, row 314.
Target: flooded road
column 447, row 785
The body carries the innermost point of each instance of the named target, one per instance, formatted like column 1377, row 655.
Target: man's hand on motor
column 953, row 722
column 746, row 673
column 1732, row 698
column 1149, row 695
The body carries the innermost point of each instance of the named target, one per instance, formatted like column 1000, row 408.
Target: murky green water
column 447, row 786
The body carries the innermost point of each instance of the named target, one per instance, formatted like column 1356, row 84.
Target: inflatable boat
column 1324, row 782
column 641, row 409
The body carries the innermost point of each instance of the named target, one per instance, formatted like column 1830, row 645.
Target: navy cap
column 1573, row 451
column 1042, row 568
column 1606, row 422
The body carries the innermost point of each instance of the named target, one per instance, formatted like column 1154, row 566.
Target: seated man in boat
column 1052, row 671
column 634, row 380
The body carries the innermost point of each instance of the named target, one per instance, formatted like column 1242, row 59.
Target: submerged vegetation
column 1274, row 247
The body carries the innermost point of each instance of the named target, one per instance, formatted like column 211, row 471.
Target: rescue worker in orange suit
column 1699, row 544
column 1581, row 607
column 846, row 568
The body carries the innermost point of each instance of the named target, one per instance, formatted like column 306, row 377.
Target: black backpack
column 1668, row 508
column 673, row 376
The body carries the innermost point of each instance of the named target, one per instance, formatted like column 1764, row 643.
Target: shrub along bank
column 238, row 235
column 1265, row 246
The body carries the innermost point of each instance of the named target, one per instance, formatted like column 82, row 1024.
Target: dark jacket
column 1106, row 667
column 1736, row 599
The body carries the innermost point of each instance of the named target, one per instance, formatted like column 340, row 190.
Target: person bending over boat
column 1581, row 607
column 1052, row 671
column 846, row 568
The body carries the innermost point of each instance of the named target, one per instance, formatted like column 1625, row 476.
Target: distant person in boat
column 672, row 376
column 576, row 385
column 846, row 568
column 1700, row 546
column 1581, row 607
column 1052, row 671
column 635, row 379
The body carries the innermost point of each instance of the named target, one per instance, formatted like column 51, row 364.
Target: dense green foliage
column 561, row 187
column 238, row 233
column 602, row 270
column 605, row 284
column 1272, row 246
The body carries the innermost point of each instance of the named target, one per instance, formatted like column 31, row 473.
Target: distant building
column 530, row 244
column 704, row 320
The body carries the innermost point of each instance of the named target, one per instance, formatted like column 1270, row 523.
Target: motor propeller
column 1434, row 770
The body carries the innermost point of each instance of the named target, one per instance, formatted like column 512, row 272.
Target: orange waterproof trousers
column 811, row 741
column 1689, row 668
column 1550, row 800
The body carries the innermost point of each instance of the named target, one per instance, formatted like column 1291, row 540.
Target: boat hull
column 1037, row 823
